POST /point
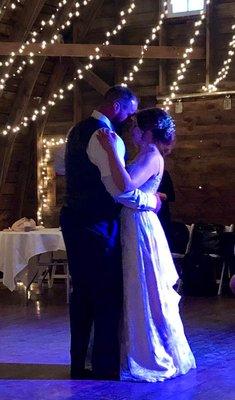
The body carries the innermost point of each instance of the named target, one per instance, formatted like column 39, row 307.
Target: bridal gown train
column 153, row 346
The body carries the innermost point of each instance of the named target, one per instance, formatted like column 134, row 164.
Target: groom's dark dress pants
column 94, row 259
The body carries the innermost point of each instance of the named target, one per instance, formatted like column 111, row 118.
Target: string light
column 115, row 31
column 121, row 23
column 155, row 30
column 12, row 6
column 224, row 70
column 60, row 93
column 180, row 73
column 43, row 24
column 43, row 198
column 54, row 38
column 44, row 180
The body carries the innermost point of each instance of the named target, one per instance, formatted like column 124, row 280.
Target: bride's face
column 137, row 135
column 136, row 132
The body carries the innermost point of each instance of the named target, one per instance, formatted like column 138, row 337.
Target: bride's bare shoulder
column 153, row 151
column 149, row 154
column 152, row 147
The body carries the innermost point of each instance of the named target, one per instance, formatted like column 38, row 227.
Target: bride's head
column 154, row 125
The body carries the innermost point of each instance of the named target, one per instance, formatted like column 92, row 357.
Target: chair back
column 206, row 239
column 180, row 237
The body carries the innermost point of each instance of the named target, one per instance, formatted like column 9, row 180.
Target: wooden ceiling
column 24, row 92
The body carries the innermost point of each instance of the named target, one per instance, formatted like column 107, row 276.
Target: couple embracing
column 119, row 261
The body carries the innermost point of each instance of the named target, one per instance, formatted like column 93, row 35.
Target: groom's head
column 119, row 104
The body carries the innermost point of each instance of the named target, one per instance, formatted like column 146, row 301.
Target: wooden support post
column 208, row 47
column 210, row 44
column 27, row 174
column 162, row 65
column 35, row 131
column 94, row 80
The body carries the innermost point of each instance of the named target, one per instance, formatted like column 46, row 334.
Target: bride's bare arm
column 146, row 166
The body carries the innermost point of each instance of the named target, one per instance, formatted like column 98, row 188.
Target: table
column 16, row 249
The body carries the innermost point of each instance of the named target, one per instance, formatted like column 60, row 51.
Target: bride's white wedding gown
column 154, row 346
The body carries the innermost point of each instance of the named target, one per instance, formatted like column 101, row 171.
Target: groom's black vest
column 85, row 193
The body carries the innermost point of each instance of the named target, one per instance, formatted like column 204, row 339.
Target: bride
column 153, row 345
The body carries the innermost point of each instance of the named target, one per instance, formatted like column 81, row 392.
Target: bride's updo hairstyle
column 159, row 123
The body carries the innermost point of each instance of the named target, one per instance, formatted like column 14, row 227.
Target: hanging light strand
column 43, row 24
column 12, row 6
column 224, row 70
column 184, row 66
column 114, row 32
column 60, row 93
column 54, row 38
column 44, row 180
column 155, row 31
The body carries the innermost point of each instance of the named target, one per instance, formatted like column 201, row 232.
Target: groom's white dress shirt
column 98, row 156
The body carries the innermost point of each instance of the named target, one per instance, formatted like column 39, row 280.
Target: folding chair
column 59, row 263
column 179, row 251
column 227, row 253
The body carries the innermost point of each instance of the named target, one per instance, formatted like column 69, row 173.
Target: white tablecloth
column 16, row 248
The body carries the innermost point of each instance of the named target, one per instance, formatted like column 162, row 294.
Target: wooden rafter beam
column 4, row 7
column 24, row 93
column 31, row 73
column 55, row 81
column 112, row 51
column 26, row 18
column 18, row 109
column 25, row 21
column 93, row 79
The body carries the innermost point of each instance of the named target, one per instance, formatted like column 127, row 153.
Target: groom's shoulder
column 83, row 130
column 90, row 123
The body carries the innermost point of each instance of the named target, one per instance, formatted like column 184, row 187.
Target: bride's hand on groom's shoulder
column 107, row 139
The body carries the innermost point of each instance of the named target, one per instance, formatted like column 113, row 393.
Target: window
column 179, row 8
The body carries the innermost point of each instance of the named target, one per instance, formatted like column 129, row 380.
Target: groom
column 90, row 227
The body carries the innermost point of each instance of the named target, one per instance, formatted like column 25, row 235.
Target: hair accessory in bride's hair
column 159, row 123
column 164, row 128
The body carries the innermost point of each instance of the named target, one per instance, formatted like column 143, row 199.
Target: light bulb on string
column 184, row 66
column 115, row 31
column 54, row 37
column 33, row 34
column 43, row 197
column 224, row 70
column 11, row 6
column 156, row 29
column 59, row 94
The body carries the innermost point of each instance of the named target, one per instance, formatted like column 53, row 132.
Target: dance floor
column 34, row 353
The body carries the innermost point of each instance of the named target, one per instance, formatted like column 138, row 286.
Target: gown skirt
column 153, row 343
